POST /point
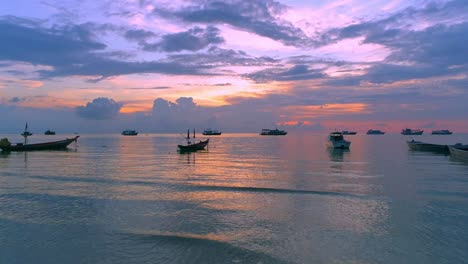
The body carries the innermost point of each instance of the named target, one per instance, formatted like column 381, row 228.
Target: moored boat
column 273, row 132
column 193, row 146
column 459, row 151
column 129, row 132
column 441, row 132
column 346, row 132
column 336, row 140
column 374, row 132
column 210, row 132
column 423, row 146
column 49, row 132
column 411, row 132
column 5, row 145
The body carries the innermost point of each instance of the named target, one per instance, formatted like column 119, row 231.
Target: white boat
column 459, row 151
column 336, row 140
column 210, row 132
column 374, row 132
column 273, row 132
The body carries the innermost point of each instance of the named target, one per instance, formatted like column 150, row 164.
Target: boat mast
column 188, row 136
column 26, row 134
column 194, row 133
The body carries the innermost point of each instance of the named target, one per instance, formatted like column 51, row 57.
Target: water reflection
column 337, row 154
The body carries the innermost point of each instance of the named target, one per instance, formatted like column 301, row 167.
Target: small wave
column 276, row 190
column 196, row 248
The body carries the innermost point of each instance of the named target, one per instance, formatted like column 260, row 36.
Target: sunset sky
column 238, row 66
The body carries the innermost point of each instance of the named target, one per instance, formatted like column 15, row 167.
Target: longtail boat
column 61, row 144
column 193, row 146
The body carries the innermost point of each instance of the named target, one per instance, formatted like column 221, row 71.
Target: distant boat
column 129, row 132
column 459, row 151
column 423, row 146
column 337, row 141
column 49, row 132
column 273, row 132
column 5, row 145
column 442, row 132
column 210, row 132
column 408, row 131
column 374, row 132
column 193, row 146
column 26, row 132
column 346, row 132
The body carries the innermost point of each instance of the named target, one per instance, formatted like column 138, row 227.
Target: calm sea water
column 248, row 199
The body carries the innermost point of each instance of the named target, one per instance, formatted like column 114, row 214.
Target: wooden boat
column 193, row 146
column 61, row 144
column 459, row 151
column 273, row 132
column 129, row 133
column 410, row 132
column 49, row 132
column 423, row 146
column 210, row 132
column 337, row 141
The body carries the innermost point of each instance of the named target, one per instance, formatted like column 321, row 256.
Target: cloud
column 257, row 16
column 99, row 109
column 295, row 73
column 72, row 51
column 138, row 35
column 194, row 39
column 16, row 100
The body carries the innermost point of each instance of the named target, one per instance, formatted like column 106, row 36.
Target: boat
column 408, row 131
column 26, row 132
column 273, row 132
column 346, row 132
column 442, row 132
column 5, row 145
column 423, row 146
column 459, row 151
column 49, row 132
column 129, row 132
column 210, row 132
column 374, row 132
column 193, row 146
column 337, row 141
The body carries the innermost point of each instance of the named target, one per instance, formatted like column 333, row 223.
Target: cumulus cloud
column 99, row 109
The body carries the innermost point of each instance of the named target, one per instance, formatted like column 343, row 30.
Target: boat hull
column 194, row 147
column 211, row 133
column 422, row 146
column 459, row 153
column 441, row 133
column 62, row 144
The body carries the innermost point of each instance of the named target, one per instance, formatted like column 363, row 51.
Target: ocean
column 247, row 199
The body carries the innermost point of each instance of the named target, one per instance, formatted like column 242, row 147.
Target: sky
column 238, row 66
